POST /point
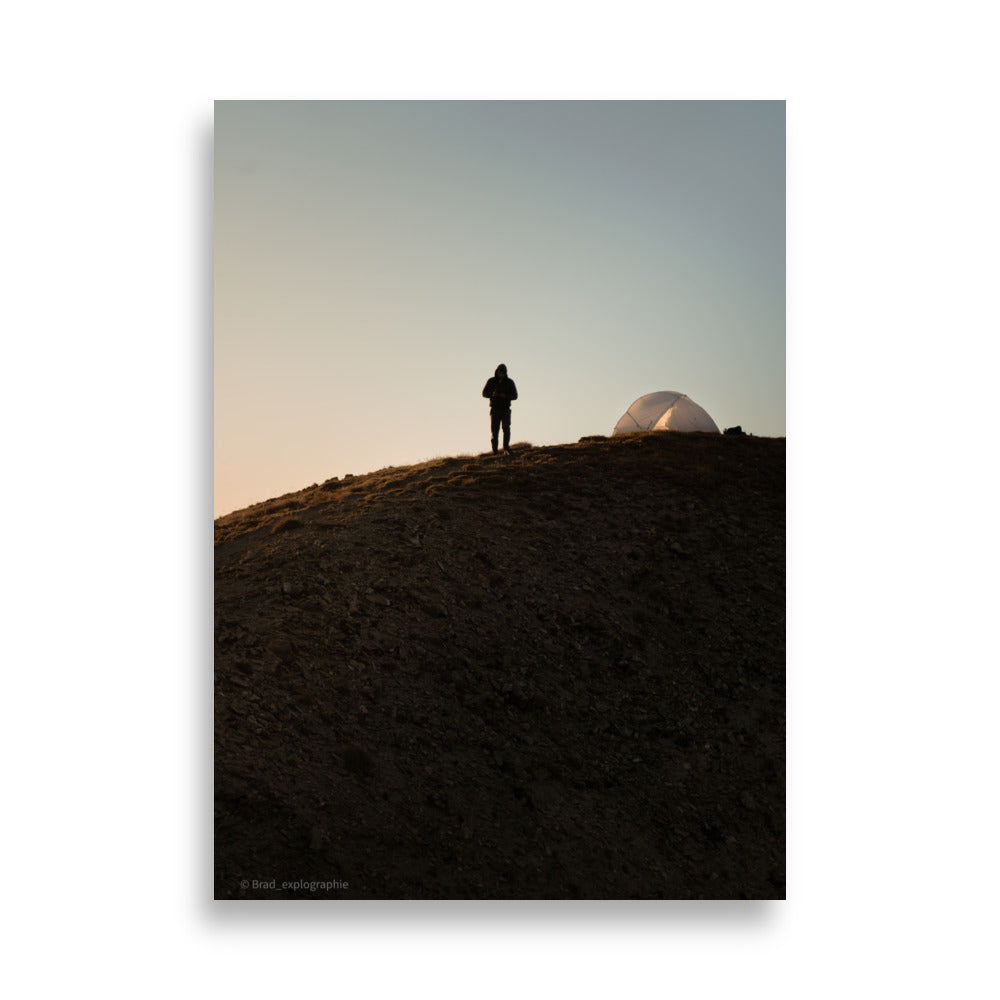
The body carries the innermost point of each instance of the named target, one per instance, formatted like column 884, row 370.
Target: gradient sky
column 375, row 261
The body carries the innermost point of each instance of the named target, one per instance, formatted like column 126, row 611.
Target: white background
column 892, row 271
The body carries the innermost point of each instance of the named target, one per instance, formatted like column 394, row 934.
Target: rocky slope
column 554, row 674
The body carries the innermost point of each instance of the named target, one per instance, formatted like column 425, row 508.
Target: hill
column 553, row 674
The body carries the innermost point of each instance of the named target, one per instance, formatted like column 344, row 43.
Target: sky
column 375, row 262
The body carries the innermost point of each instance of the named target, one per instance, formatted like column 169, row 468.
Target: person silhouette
column 500, row 391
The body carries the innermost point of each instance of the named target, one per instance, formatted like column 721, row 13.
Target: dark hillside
column 557, row 674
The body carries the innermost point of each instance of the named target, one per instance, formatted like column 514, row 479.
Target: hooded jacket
column 500, row 390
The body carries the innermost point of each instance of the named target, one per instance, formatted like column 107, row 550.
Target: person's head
column 501, row 371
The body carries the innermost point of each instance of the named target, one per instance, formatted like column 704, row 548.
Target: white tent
column 665, row 411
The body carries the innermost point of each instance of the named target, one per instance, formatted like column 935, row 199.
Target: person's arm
column 488, row 389
column 513, row 389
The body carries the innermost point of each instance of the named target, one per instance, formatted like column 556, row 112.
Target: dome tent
column 665, row 411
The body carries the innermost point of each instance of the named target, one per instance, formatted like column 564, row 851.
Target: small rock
column 282, row 649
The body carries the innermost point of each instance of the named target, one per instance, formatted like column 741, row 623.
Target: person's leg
column 494, row 429
column 506, row 431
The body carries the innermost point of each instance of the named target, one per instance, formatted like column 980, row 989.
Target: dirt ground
column 554, row 674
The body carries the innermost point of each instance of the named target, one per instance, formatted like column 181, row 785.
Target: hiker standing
column 500, row 391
